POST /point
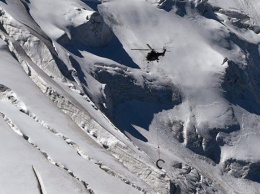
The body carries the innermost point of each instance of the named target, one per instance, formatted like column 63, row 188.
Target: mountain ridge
column 77, row 101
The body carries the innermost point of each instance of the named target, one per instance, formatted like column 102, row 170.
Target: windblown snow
column 83, row 111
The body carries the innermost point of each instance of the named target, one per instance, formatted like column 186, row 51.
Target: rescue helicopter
column 153, row 55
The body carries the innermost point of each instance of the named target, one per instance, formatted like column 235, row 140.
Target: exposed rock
column 122, row 87
column 243, row 169
column 241, row 86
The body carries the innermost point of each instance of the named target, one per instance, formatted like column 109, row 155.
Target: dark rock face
column 209, row 142
column 177, row 130
column 180, row 7
column 121, row 88
column 129, row 102
column 241, row 86
column 243, row 169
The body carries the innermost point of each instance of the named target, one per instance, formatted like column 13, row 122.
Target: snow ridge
column 75, row 87
column 87, row 124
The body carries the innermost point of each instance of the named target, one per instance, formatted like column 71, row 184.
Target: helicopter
column 153, row 55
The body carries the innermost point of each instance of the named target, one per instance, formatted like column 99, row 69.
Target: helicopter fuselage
column 154, row 56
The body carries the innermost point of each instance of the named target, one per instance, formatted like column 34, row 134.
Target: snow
column 47, row 113
column 88, row 113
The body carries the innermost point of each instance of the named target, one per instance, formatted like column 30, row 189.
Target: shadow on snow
column 135, row 113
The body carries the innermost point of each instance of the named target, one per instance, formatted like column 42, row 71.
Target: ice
column 82, row 112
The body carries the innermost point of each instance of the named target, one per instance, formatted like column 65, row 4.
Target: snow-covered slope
column 82, row 112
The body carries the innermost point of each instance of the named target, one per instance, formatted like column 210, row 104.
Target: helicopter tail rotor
column 164, row 49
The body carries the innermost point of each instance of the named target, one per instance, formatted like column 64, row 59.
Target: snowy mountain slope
column 73, row 91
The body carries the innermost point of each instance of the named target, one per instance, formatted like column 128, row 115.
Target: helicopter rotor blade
column 141, row 49
column 149, row 46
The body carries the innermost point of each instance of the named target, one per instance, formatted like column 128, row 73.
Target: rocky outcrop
column 122, row 86
column 243, row 169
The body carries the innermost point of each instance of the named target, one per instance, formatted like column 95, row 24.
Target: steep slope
column 88, row 114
